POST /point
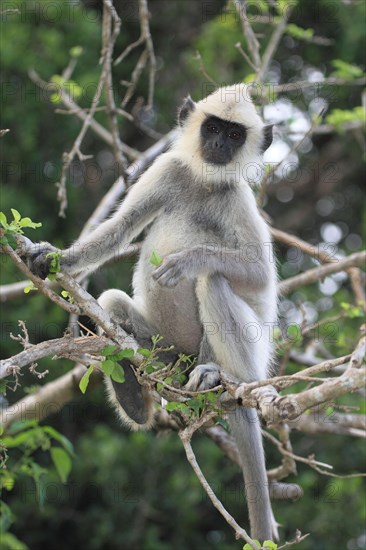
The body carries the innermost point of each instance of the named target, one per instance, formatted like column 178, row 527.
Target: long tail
column 245, row 427
column 132, row 402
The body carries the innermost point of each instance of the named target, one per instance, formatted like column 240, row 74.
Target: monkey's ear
column 188, row 106
column 267, row 137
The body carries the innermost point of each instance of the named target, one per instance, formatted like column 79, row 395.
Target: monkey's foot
column 204, row 377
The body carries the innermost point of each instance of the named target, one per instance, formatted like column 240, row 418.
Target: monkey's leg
column 225, row 316
column 132, row 401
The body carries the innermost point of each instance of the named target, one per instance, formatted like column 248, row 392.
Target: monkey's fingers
column 168, row 274
column 38, row 260
column 204, row 377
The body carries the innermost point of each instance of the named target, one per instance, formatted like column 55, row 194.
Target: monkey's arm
column 140, row 207
column 236, row 265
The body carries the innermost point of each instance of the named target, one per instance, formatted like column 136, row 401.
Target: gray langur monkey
column 214, row 294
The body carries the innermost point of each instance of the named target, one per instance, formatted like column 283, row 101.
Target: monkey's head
column 222, row 130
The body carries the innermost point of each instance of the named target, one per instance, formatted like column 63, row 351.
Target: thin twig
column 314, row 275
column 111, row 29
column 186, row 436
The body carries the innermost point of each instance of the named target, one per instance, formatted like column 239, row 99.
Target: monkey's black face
column 220, row 140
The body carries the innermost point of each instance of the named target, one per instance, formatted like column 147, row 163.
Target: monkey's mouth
column 217, row 158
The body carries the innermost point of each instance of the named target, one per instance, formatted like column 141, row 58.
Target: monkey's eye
column 235, row 135
column 212, row 128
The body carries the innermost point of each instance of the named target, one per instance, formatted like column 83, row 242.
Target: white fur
column 231, row 103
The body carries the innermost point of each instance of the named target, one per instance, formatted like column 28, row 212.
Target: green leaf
column 149, row 369
column 2, row 387
column 58, row 79
column 16, row 214
column 346, row 70
column 21, row 425
column 108, row 350
column 30, row 287
column 3, row 241
column 27, row 222
column 299, row 32
column 3, row 220
column 144, row 351
column 294, row 333
column 155, row 259
column 118, row 374
column 211, row 397
column 173, row 405
column 340, row 117
column 159, row 387
column 55, row 262
column 66, row 443
column 76, row 51
column 250, row 78
column 6, row 517
column 248, row 546
column 124, row 354
column 62, row 462
column 55, row 98
column 8, row 481
column 108, row 366
column 84, row 382
column 11, row 542
column 195, row 405
column 20, row 439
column 270, row 544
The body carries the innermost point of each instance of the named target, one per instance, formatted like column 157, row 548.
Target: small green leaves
column 155, row 259
column 268, row 545
column 108, row 350
column 72, row 88
column 15, row 227
column 144, row 351
column 294, row 334
column 248, row 546
column 346, row 70
column 124, row 354
column 111, row 366
column 3, row 220
column 62, row 462
column 340, row 117
column 84, row 382
column 54, row 265
column 352, row 311
column 30, row 287
column 76, row 51
column 251, row 77
column 181, row 407
column 67, row 296
column 298, row 32
column 118, row 374
column 108, row 366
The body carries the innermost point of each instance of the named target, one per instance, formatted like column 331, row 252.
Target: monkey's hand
column 173, row 269
column 38, row 259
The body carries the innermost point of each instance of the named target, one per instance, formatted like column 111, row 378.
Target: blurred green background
column 136, row 491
